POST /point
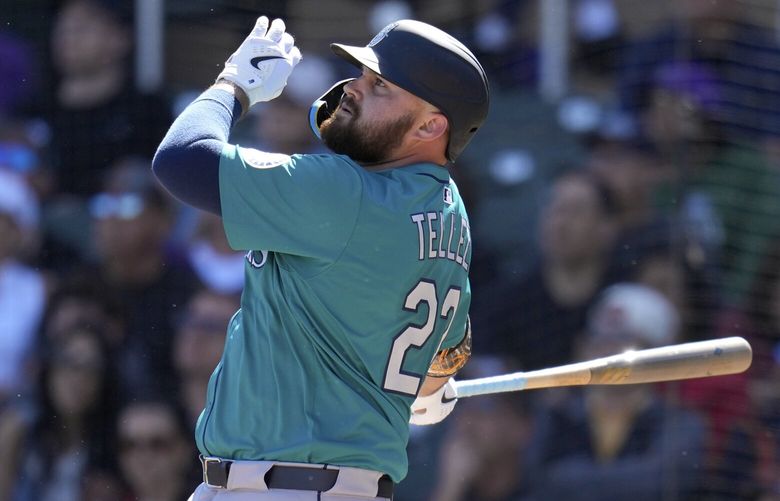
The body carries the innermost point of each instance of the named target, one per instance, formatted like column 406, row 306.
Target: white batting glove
column 263, row 62
column 435, row 407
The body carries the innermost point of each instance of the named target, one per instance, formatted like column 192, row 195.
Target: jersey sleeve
column 305, row 205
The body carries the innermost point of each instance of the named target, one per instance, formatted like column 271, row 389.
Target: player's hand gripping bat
column 714, row 357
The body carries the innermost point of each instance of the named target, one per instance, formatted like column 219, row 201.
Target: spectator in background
column 22, row 305
column 22, row 289
column 664, row 270
column 630, row 173
column 617, row 442
column 25, row 151
column 97, row 115
column 80, row 301
column 77, row 303
column 648, row 246
column 747, row 467
column 155, row 453
column 132, row 218
column 725, row 194
column 536, row 320
column 200, row 338
column 69, row 443
column 743, row 56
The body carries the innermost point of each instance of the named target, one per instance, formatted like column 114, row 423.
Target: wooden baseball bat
column 714, row 357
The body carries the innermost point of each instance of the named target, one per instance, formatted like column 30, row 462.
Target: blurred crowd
column 640, row 209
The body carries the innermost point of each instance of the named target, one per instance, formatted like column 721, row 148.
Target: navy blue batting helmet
column 428, row 63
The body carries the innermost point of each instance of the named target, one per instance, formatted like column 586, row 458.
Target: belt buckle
column 206, row 462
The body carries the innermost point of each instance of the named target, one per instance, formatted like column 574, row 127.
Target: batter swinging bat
column 714, row 357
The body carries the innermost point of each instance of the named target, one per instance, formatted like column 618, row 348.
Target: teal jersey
column 354, row 280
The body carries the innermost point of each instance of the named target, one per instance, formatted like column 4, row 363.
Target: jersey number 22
column 396, row 380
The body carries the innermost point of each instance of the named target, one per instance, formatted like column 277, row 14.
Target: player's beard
column 364, row 143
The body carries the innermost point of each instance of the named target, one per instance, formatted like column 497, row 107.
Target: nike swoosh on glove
column 434, row 407
column 263, row 62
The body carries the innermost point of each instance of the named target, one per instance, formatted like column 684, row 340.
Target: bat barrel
column 714, row 357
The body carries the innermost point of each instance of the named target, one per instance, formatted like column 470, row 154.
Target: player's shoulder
column 327, row 169
column 325, row 160
column 260, row 159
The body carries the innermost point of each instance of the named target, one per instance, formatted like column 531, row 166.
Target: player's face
column 372, row 120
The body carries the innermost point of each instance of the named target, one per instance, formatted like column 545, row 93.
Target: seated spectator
column 536, row 319
column 742, row 54
column 156, row 454
column 631, row 172
column 68, row 444
column 748, row 444
column 747, row 468
column 79, row 301
column 22, row 289
column 725, row 193
column 76, row 303
column 132, row 218
column 617, row 442
column 198, row 344
column 25, row 151
column 97, row 115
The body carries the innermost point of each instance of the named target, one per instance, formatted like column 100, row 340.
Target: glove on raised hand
column 263, row 62
column 434, row 407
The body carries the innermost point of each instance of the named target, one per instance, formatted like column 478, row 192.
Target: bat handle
column 493, row 384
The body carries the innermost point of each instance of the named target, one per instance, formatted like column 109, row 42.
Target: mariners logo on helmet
column 428, row 63
column 382, row 34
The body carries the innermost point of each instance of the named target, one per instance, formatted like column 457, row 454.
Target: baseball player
column 354, row 312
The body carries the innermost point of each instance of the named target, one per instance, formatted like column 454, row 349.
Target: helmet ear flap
column 324, row 106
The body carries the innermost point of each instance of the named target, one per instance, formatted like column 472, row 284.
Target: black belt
column 216, row 472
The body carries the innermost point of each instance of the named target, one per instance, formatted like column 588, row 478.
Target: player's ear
column 433, row 126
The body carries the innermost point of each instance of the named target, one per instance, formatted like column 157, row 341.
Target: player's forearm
column 432, row 384
column 187, row 160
